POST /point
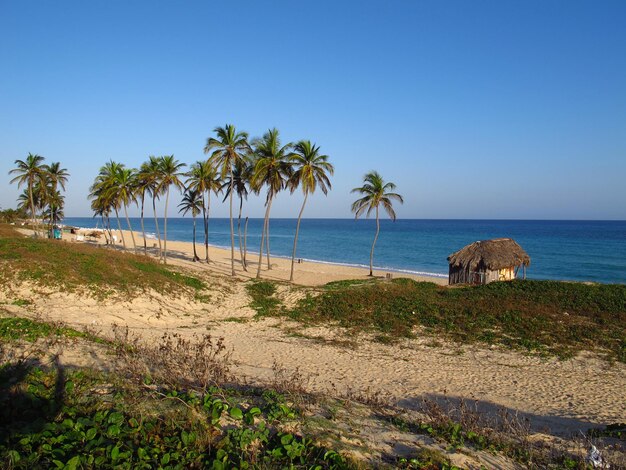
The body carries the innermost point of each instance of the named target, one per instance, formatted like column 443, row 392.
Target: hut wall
column 506, row 274
column 458, row 275
column 491, row 276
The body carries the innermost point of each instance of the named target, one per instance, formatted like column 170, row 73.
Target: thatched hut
column 487, row 261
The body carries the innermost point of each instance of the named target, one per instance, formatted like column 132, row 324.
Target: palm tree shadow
column 561, row 423
column 23, row 411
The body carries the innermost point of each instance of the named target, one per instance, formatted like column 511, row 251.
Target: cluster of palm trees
column 236, row 166
column 117, row 187
column 42, row 195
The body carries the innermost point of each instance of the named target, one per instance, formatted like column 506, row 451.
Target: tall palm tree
column 170, row 176
column 57, row 175
column 229, row 148
column 104, row 191
column 29, row 171
column 192, row 201
column 310, row 170
column 241, row 181
column 374, row 192
column 272, row 169
column 143, row 183
column 153, row 176
column 124, row 184
column 54, row 177
column 203, row 177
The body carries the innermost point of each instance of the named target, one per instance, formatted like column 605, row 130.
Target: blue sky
column 486, row 109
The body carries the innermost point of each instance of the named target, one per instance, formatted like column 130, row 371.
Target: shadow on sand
column 559, row 424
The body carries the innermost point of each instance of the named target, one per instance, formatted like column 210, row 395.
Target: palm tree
column 143, row 183
column 229, row 148
column 192, row 201
column 29, row 171
column 53, row 211
column 101, row 208
column 153, row 177
column 56, row 175
column 241, row 181
column 203, row 177
column 272, row 168
column 310, row 170
column 169, row 171
column 104, row 191
column 375, row 193
column 124, row 186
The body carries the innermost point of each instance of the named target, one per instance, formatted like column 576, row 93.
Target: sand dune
column 562, row 396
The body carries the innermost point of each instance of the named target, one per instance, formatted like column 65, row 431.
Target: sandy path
column 561, row 396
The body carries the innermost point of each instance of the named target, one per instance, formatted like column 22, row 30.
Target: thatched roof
column 493, row 254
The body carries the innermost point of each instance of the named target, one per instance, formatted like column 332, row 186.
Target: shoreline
column 306, row 273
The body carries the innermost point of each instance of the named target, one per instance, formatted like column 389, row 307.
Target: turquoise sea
column 562, row 250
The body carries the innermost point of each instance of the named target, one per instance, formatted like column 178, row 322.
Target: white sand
column 307, row 273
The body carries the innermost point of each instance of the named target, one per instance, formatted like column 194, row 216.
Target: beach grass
column 25, row 329
column 78, row 265
column 545, row 317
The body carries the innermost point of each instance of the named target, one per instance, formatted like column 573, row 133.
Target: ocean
column 559, row 250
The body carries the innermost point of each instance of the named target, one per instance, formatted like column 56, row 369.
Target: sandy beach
column 307, row 273
column 561, row 397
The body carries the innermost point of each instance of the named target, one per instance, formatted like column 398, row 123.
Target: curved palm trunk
column 132, row 234
column 205, row 221
column 208, row 215
column 267, row 215
column 156, row 223
column 195, row 255
column 267, row 242
column 245, row 242
column 108, row 228
column 232, row 228
column 167, row 200
column 119, row 225
column 32, row 206
column 243, row 258
column 295, row 240
column 143, row 230
column 373, row 244
column 104, row 229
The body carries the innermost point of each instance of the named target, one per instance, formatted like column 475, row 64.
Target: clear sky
column 482, row 109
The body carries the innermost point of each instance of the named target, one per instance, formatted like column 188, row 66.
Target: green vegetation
column 13, row 328
column 82, row 419
column 263, row 297
column 545, row 317
column 615, row 430
column 102, row 271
